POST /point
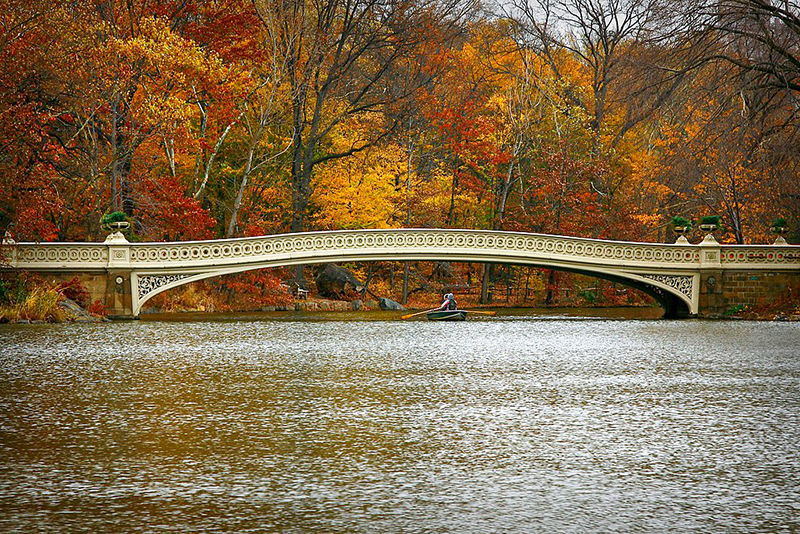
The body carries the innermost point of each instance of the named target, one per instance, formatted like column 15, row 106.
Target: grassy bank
column 26, row 298
column 40, row 304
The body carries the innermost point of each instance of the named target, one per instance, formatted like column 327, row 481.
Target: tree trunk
column 405, row 283
column 487, row 274
column 237, row 204
column 551, row 282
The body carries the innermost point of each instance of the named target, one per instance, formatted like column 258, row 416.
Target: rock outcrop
column 390, row 305
column 336, row 282
column 77, row 314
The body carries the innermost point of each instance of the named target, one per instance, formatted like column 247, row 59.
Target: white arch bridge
column 688, row 280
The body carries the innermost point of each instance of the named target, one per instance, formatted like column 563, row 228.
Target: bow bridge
column 687, row 280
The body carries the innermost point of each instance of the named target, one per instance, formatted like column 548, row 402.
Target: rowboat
column 447, row 315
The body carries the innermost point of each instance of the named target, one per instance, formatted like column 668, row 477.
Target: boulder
column 78, row 314
column 390, row 305
column 356, row 304
column 336, row 282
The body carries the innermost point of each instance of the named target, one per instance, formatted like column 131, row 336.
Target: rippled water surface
column 367, row 424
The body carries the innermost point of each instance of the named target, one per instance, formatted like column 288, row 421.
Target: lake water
column 366, row 423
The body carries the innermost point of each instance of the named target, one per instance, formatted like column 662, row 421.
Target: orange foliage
column 180, row 112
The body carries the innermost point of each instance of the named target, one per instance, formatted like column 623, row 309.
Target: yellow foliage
column 190, row 298
column 651, row 221
column 360, row 191
column 40, row 304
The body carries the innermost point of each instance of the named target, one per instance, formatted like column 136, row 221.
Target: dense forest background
column 596, row 118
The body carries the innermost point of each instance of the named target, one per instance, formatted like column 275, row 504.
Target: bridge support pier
column 726, row 292
column 118, row 296
column 712, row 298
column 111, row 288
column 674, row 308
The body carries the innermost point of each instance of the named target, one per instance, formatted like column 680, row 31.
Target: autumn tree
column 722, row 155
column 28, row 198
column 345, row 59
column 761, row 37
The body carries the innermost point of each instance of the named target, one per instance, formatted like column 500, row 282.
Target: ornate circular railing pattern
column 61, row 252
column 750, row 254
column 381, row 241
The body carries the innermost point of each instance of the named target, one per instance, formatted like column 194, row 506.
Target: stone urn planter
column 119, row 226
column 681, row 231
column 681, row 226
column 780, row 229
column 709, row 225
column 116, row 223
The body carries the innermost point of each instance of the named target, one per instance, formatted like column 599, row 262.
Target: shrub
column 97, row 308
column 114, row 216
column 711, row 219
column 252, row 290
column 73, row 289
column 40, row 304
column 678, row 221
column 589, row 295
column 30, row 298
column 780, row 222
column 735, row 310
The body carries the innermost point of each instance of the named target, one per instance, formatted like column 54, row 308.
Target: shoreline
column 74, row 313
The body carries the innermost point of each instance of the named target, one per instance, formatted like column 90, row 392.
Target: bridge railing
column 409, row 241
column 747, row 256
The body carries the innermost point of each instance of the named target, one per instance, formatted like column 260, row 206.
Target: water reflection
column 304, row 424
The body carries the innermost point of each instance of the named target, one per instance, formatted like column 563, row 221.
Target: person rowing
column 449, row 303
column 448, row 311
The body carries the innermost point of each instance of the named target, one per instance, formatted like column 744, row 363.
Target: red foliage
column 29, row 197
column 167, row 213
column 562, row 197
column 467, row 132
column 97, row 308
column 73, row 289
column 253, row 290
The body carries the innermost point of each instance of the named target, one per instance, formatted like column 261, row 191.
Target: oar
column 483, row 312
column 410, row 315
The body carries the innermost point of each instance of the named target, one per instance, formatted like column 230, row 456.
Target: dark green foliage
column 779, row 223
column 5, row 291
column 13, row 288
column 679, row 221
column 711, row 219
column 115, row 216
column 735, row 310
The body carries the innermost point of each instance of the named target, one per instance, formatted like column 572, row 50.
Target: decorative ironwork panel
column 682, row 284
column 149, row 283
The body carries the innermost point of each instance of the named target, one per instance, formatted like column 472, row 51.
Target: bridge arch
column 674, row 292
